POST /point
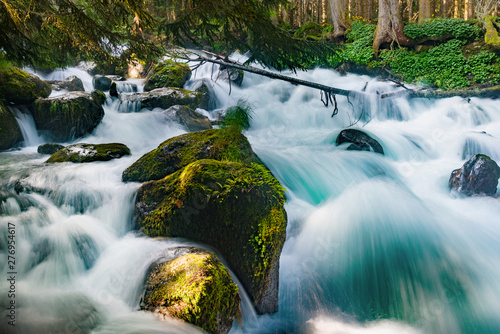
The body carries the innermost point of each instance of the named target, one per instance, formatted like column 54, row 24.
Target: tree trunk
column 367, row 6
column 390, row 25
column 410, row 10
column 338, row 9
column 444, row 9
column 471, row 11
column 424, row 10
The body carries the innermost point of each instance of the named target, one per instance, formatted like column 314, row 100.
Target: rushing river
column 375, row 243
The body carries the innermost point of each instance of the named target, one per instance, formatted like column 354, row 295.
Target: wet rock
column 10, row 133
column 161, row 98
column 69, row 116
column 101, row 82
column 360, row 141
column 49, row 148
column 236, row 208
column 89, row 152
column 178, row 152
column 71, row 84
column 229, row 74
column 112, row 90
column 478, row 176
column 20, row 87
column 209, row 101
column 194, row 287
column 168, row 74
column 189, row 118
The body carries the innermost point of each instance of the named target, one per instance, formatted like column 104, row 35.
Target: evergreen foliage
column 52, row 33
column 244, row 25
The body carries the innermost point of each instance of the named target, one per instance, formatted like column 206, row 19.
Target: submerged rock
column 162, row 98
column 20, row 87
column 233, row 75
column 478, row 176
column 360, row 141
column 49, row 148
column 89, row 153
column 176, row 153
column 189, row 118
column 194, row 287
column 236, row 208
column 71, row 84
column 69, row 116
column 10, row 133
column 168, row 74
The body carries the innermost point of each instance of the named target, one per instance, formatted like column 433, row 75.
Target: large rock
column 18, row 86
column 89, row 152
column 189, row 118
column 359, row 140
column 10, row 133
column 168, row 74
column 209, row 101
column 70, row 115
column 176, row 153
column 236, row 208
column 49, row 148
column 71, row 84
column 102, row 82
column 478, row 176
column 194, row 287
column 160, row 98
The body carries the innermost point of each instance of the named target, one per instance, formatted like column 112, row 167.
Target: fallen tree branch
column 234, row 65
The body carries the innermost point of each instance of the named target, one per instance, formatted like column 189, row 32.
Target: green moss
column 491, row 37
column 196, row 288
column 80, row 153
column 235, row 208
column 178, row 152
column 68, row 116
column 10, row 133
column 18, row 86
column 168, row 74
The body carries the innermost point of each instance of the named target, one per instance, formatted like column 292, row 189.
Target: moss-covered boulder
column 178, row 152
column 236, row 208
column 159, row 98
column 18, row 86
column 478, row 176
column 49, row 148
column 491, row 37
column 68, row 116
column 71, row 84
column 194, row 287
column 190, row 119
column 89, row 152
column 10, row 133
column 168, row 74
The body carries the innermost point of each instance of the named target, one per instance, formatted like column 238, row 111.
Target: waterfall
column 375, row 243
column 27, row 125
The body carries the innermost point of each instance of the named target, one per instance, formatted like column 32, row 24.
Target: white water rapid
column 375, row 243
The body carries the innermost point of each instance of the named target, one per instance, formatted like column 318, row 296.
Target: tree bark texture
column 389, row 26
column 424, row 10
column 338, row 9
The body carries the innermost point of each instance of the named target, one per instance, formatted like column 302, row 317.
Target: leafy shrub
column 457, row 28
column 444, row 65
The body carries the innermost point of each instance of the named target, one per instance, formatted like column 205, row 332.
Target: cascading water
column 375, row 243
